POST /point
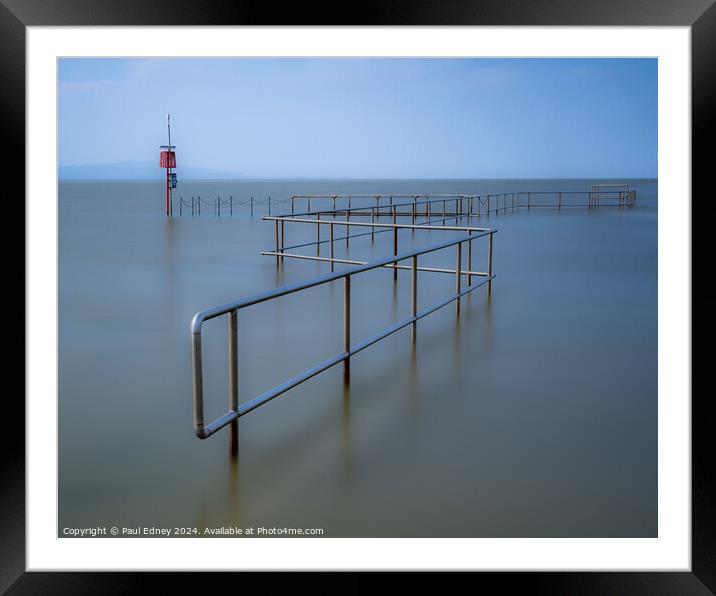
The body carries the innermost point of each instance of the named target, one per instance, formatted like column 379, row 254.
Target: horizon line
column 253, row 178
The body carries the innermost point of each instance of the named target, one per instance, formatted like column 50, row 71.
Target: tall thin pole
column 458, row 267
column 277, row 246
column 346, row 327
column 413, row 296
column 469, row 259
column 233, row 383
column 169, row 203
column 489, row 262
column 330, row 230
column 318, row 234
column 169, row 170
column 395, row 251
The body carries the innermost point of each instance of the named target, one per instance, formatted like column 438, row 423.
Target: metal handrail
column 623, row 197
column 280, row 251
column 377, row 208
column 203, row 430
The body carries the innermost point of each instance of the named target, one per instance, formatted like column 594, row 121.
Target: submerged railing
column 327, row 219
column 616, row 195
column 236, row 410
column 436, row 210
column 193, row 205
column 434, row 213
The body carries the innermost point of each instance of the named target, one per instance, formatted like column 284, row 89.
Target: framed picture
column 454, row 241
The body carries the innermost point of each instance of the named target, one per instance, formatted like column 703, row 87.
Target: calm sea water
column 534, row 415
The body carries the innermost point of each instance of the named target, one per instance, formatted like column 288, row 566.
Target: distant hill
column 132, row 170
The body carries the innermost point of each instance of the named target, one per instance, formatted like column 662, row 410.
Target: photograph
column 357, row 297
column 408, row 295
column 311, row 296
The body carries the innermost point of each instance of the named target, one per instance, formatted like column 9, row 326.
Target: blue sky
column 365, row 118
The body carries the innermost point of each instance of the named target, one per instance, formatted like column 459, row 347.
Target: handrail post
column 233, row 383
column 318, row 234
column 414, row 297
column 348, row 229
column 458, row 267
column 372, row 219
column 277, row 246
column 395, row 251
column 469, row 259
column 283, row 241
column 330, row 230
column 489, row 262
column 347, row 327
column 198, row 385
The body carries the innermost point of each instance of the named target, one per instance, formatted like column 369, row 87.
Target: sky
column 362, row 117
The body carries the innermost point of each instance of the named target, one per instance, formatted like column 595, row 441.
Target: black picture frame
column 700, row 15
